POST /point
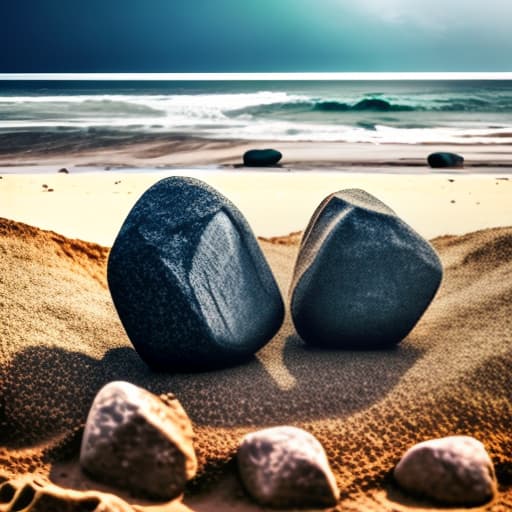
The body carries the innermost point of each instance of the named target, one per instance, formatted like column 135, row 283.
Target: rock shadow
column 48, row 391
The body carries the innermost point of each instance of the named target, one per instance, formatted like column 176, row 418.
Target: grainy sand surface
column 61, row 340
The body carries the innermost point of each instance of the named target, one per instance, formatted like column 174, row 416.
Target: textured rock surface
column 286, row 466
column 134, row 440
column 438, row 160
column 363, row 277
column 261, row 157
column 454, row 470
column 189, row 280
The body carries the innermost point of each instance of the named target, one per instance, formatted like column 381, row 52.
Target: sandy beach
column 61, row 339
column 93, row 205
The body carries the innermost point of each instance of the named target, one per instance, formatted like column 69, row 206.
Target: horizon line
column 261, row 76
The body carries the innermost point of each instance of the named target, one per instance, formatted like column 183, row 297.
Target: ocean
column 391, row 111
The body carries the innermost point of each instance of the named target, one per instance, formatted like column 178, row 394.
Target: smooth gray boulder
column 189, row 280
column 445, row 159
column 286, row 467
column 261, row 157
column 135, row 441
column 363, row 277
column 454, row 470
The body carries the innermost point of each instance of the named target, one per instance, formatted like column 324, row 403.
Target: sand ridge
column 61, row 340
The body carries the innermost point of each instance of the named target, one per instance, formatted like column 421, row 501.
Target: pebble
column 454, row 470
column 286, row 467
column 134, row 440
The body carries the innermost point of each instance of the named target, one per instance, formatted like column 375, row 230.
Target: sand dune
column 61, row 340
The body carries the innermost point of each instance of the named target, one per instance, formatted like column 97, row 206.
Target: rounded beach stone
column 261, row 157
column 363, row 277
column 134, row 440
column 286, row 467
column 453, row 470
column 189, row 280
column 438, row 160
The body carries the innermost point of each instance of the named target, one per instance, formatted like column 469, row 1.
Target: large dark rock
column 439, row 160
column 189, row 280
column 363, row 277
column 136, row 441
column 261, row 157
column 286, row 467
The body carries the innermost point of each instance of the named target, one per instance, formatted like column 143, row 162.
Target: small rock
column 452, row 201
column 363, row 277
column 135, row 441
column 438, row 160
column 189, row 280
column 286, row 467
column 451, row 180
column 49, row 190
column 63, row 171
column 453, row 470
column 261, row 157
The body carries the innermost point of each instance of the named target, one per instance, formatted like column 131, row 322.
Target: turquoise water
column 463, row 112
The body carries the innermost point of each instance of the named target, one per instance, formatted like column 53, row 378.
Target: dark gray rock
column 261, row 157
column 439, row 160
column 286, row 467
column 454, row 470
column 189, row 280
column 363, row 277
column 136, row 441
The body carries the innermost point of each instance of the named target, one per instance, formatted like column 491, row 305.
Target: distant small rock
column 189, row 280
column 362, row 277
column 134, row 440
column 44, row 185
column 63, row 171
column 439, row 160
column 262, row 157
column 286, row 467
column 453, row 470
column 50, row 190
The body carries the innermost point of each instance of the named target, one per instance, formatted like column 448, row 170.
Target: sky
column 174, row 36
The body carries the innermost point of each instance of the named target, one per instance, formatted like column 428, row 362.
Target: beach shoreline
column 107, row 151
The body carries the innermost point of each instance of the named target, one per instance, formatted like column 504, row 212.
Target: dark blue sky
column 254, row 35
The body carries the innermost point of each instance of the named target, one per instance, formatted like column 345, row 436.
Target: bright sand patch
column 60, row 340
column 92, row 206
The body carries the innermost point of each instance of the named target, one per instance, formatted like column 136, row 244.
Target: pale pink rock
column 286, row 466
column 454, row 470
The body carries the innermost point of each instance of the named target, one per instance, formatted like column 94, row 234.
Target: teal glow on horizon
column 219, row 36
